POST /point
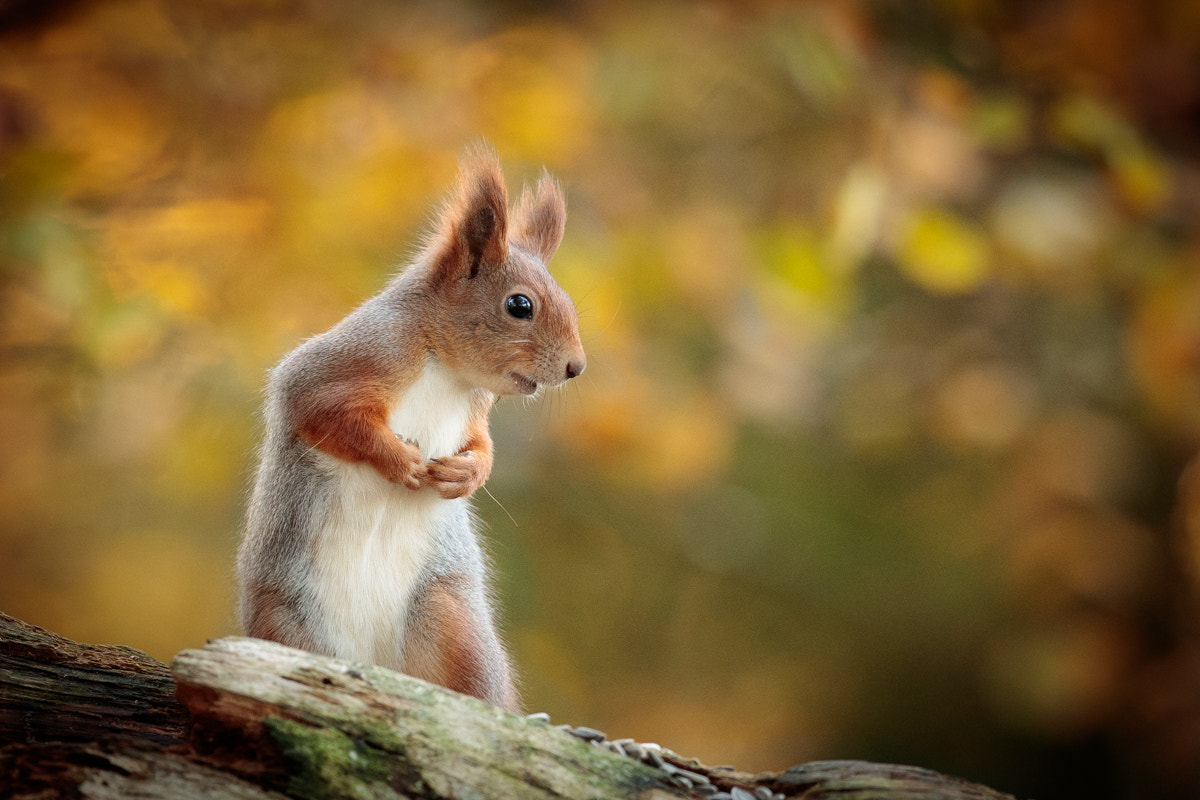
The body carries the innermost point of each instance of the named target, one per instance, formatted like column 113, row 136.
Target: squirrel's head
column 496, row 315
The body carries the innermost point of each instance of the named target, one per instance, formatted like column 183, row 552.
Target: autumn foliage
column 892, row 314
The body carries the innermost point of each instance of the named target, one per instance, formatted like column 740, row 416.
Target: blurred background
column 893, row 320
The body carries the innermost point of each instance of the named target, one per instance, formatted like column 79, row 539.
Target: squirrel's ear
column 540, row 217
column 472, row 229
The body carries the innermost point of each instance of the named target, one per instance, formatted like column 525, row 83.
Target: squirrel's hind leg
column 450, row 640
column 268, row 614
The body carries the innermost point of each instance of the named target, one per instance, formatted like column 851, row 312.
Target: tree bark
column 257, row 720
column 55, row 690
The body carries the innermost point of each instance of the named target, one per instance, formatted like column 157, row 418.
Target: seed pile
column 653, row 755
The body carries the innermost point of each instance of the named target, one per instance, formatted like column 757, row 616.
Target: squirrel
column 359, row 541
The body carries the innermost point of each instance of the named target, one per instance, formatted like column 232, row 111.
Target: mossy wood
column 257, row 720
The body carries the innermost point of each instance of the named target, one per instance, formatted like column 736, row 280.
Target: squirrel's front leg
column 461, row 474
column 350, row 422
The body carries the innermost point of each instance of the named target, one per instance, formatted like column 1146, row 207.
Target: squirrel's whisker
column 606, row 327
column 506, row 361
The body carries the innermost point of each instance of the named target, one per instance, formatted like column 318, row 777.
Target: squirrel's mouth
column 524, row 385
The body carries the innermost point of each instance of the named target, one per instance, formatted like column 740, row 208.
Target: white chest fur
column 376, row 539
column 434, row 412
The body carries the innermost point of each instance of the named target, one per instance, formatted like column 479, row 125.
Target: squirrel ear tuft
column 540, row 217
column 472, row 228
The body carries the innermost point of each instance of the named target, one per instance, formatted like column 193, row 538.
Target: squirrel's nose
column 575, row 368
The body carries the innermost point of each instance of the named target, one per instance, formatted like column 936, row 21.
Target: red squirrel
column 359, row 542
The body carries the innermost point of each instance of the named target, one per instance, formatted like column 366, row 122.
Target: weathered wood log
column 116, row 770
column 265, row 721
column 55, row 690
column 862, row 779
column 344, row 729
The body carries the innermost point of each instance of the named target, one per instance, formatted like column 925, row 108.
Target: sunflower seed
column 589, row 734
column 738, row 793
column 694, row 777
column 539, row 716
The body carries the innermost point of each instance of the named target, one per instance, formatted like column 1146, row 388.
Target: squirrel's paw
column 454, row 476
column 409, row 470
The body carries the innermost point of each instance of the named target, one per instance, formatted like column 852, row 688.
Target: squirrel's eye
column 519, row 306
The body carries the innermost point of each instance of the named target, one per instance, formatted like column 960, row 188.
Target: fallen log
column 253, row 719
column 116, row 770
column 55, row 690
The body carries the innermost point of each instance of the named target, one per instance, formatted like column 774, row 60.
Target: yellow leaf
column 1142, row 178
column 796, row 255
column 943, row 254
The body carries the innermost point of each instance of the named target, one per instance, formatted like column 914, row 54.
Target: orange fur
column 540, row 218
column 473, row 225
column 457, row 662
column 348, row 420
